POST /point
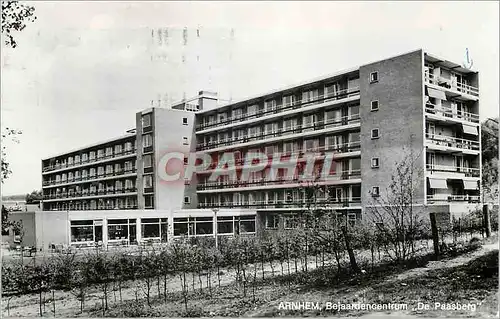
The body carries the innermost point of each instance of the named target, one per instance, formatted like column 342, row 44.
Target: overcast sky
column 83, row 69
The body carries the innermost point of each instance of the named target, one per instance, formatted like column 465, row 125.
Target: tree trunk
column 350, row 251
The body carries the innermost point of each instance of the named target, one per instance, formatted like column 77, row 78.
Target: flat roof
column 448, row 64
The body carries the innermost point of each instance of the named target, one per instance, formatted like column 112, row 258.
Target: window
column 245, row 224
column 185, row 140
column 373, row 77
column 128, row 146
column 146, row 120
column 187, row 200
column 193, row 226
column 225, row 225
column 375, row 191
column 118, row 149
column 272, row 221
column 291, row 222
column 375, row 133
column 149, row 201
column 109, row 151
column 374, row 105
column 154, row 228
column 148, row 181
column 122, row 229
column 270, row 105
column 86, row 231
column 147, row 140
column 375, row 162
column 147, row 161
column 288, row 100
column 252, row 109
column 184, row 121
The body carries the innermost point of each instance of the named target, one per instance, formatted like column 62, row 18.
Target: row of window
column 293, row 221
column 85, row 157
column 310, row 95
column 375, row 133
column 126, row 230
column 333, row 117
column 326, row 193
column 100, row 204
column 110, row 169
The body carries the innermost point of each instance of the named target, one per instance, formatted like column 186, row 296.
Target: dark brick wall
column 400, row 115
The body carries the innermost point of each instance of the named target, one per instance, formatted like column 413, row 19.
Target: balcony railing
column 319, row 151
column 95, row 208
column 454, row 198
column 84, row 194
column 296, row 129
column 448, row 141
column 452, row 85
column 450, row 113
column 342, row 94
column 90, row 160
column 468, row 171
column 344, row 175
column 282, row 203
column 88, row 178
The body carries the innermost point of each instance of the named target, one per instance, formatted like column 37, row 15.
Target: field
column 469, row 277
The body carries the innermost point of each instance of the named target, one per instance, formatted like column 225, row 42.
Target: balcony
column 84, row 163
column 325, row 203
column 453, row 198
column 464, row 171
column 451, row 85
column 445, row 142
column 281, row 133
column 85, row 208
column 450, row 114
column 89, row 179
column 90, row 194
column 283, row 181
column 344, row 148
column 342, row 94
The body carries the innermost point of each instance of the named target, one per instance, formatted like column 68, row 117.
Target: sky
column 83, row 69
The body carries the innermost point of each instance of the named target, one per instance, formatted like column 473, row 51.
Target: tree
column 8, row 224
column 489, row 151
column 393, row 212
column 14, row 18
column 11, row 134
column 34, row 197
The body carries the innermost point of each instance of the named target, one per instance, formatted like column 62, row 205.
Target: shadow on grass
column 470, row 282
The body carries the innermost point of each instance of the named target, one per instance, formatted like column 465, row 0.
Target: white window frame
column 143, row 120
column 378, row 133
column 147, row 177
column 372, row 108
column 184, row 121
column 185, row 140
column 377, row 159
column 372, row 74
column 147, row 140
column 145, row 164
column 375, row 193
column 188, row 201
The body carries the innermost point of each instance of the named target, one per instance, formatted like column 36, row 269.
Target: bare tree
column 394, row 212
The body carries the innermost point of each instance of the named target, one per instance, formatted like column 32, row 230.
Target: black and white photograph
column 250, row 159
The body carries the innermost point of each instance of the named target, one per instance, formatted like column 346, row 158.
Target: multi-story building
column 362, row 121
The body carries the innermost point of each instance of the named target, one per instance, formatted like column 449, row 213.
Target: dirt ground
column 264, row 298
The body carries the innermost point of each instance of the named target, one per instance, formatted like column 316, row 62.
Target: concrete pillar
column 138, row 230
column 105, row 232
